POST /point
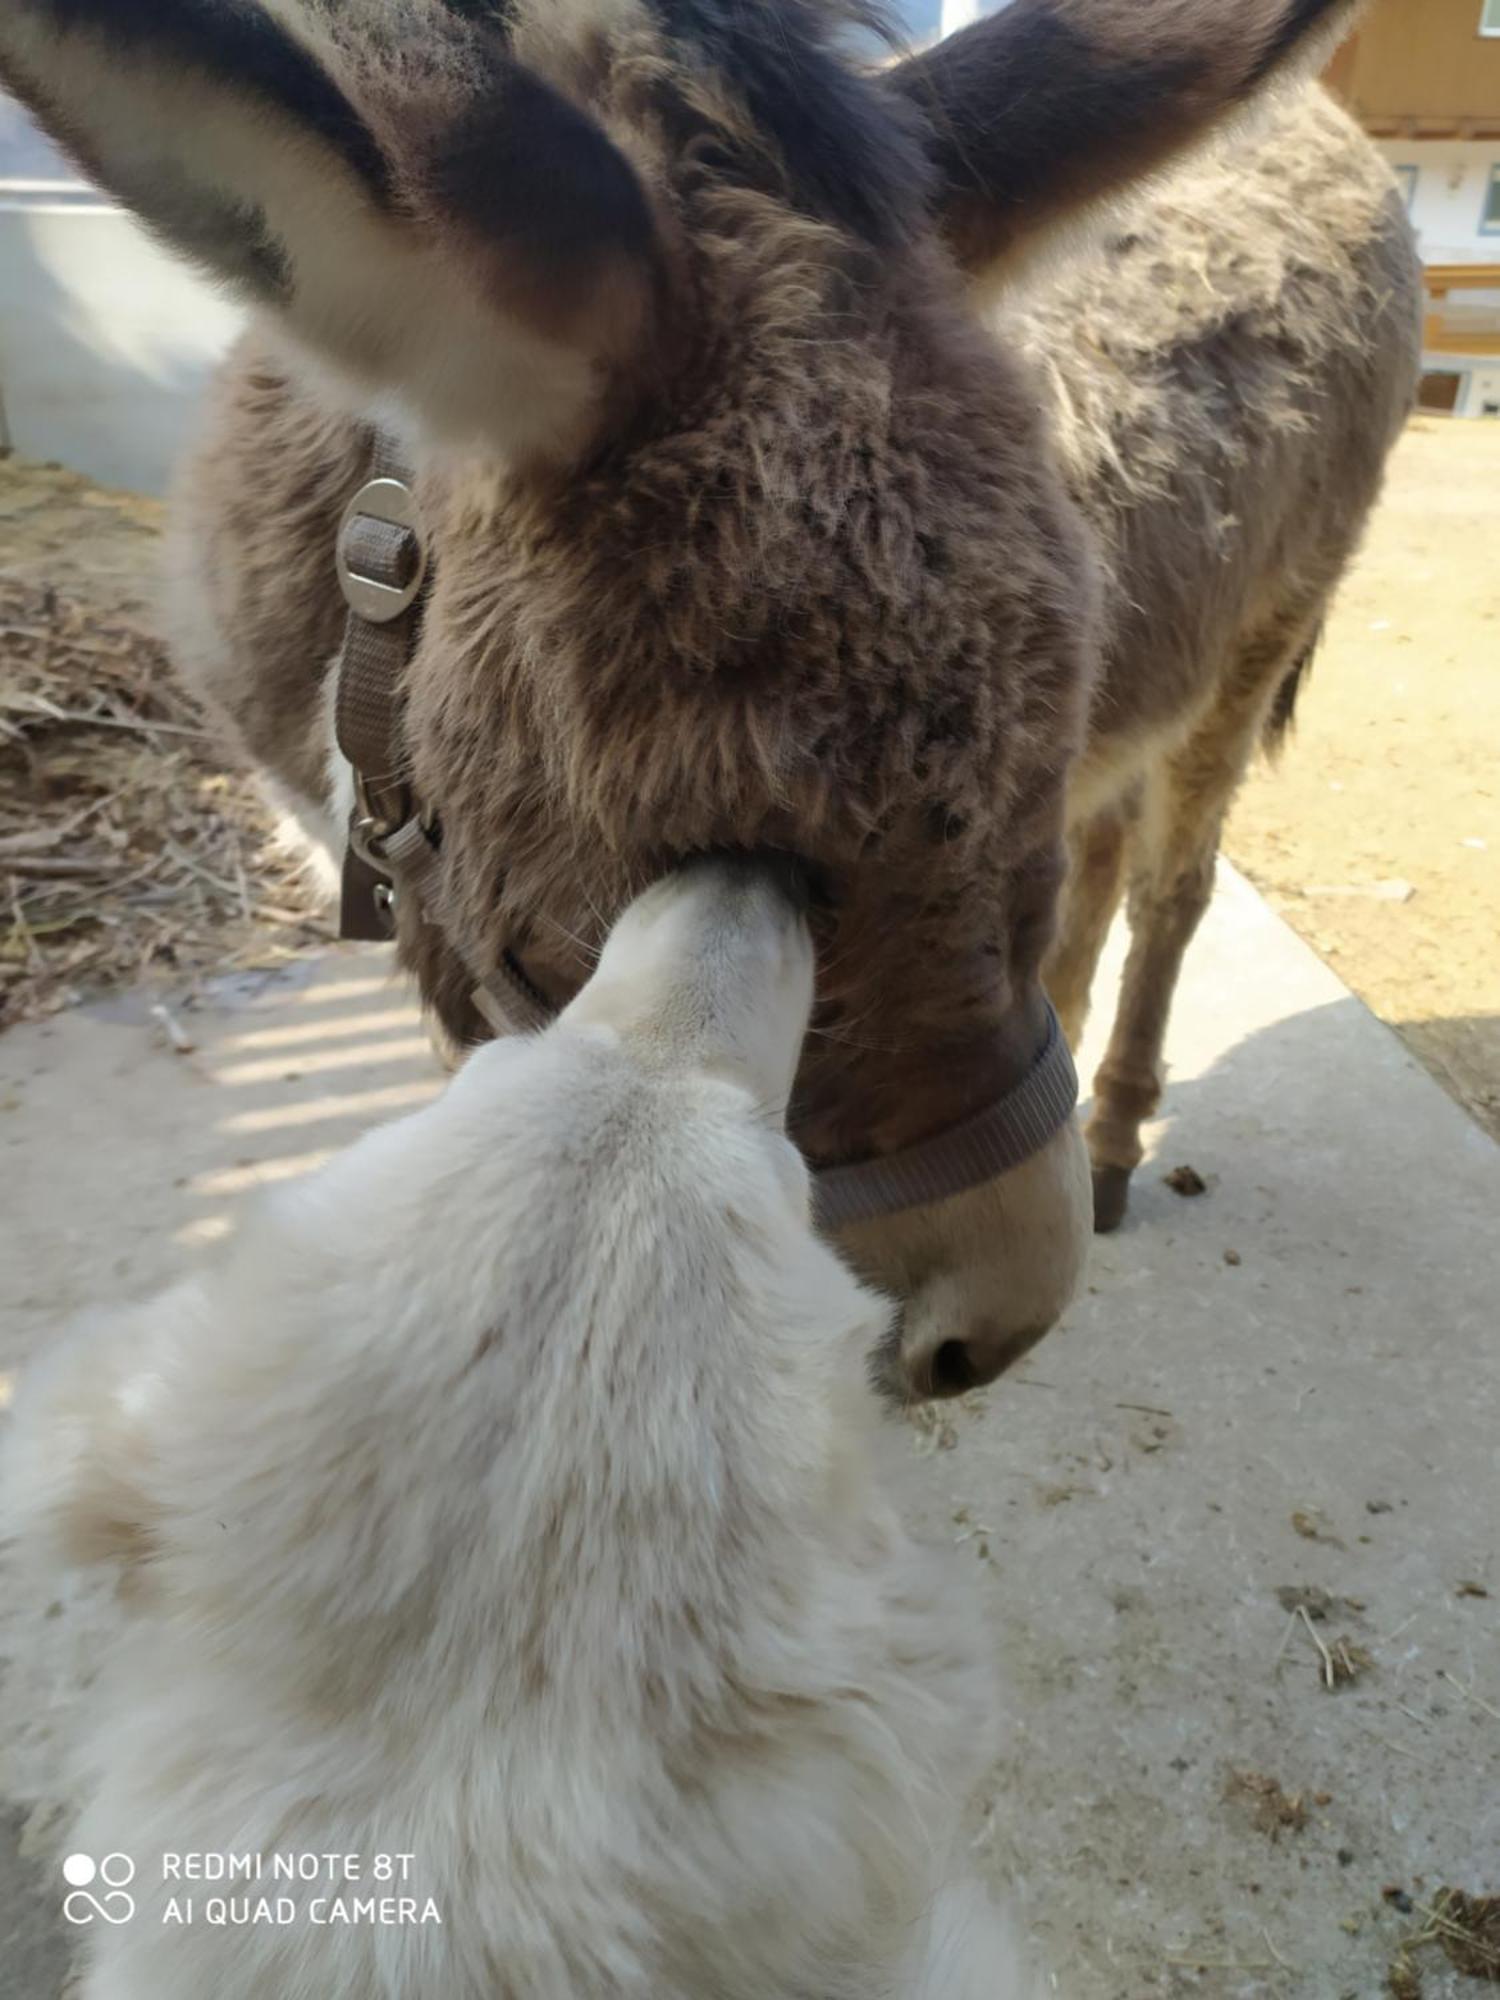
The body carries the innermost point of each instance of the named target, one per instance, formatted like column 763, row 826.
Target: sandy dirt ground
column 57, row 530
column 1378, row 837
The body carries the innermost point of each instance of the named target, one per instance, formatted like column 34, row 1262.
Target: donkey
column 748, row 531
column 1227, row 378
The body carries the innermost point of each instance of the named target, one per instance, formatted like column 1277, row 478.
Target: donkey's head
column 746, row 532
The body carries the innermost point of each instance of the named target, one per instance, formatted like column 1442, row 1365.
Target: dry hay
column 1344, row 1661
column 126, row 850
column 1403, row 1981
column 1318, row 1603
column 1468, row 1930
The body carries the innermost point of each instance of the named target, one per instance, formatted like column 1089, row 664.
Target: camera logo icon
column 111, row 1905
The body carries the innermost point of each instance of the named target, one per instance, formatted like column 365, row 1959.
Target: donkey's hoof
column 1111, row 1198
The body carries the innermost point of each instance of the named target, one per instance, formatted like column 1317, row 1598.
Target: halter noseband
column 392, row 850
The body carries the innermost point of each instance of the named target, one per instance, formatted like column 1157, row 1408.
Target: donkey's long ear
column 419, row 209
column 1039, row 112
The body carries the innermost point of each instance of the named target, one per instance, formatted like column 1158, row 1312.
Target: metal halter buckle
column 367, row 838
column 379, row 809
column 393, row 502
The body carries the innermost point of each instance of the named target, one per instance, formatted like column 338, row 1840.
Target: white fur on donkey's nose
column 984, row 1274
column 711, row 969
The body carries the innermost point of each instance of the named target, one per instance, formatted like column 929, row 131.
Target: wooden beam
column 1403, row 125
column 1439, row 334
column 1441, row 279
column 1440, row 338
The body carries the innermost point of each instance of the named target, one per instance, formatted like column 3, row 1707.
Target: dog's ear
column 415, row 205
column 75, row 1472
column 1040, row 112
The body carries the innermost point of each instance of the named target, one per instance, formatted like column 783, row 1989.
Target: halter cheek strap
column 394, row 846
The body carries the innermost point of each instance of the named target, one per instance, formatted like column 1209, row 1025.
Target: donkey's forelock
column 850, row 153
column 775, row 93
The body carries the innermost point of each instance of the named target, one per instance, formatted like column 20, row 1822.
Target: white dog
column 514, row 1610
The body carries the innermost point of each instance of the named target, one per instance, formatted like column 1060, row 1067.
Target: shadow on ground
column 1463, row 1054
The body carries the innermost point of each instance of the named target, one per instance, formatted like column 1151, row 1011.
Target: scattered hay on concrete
column 1403, row 1981
column 1318, row 1603
column 1349, row 1662
column 1340, row 1662
column 1273, row 1810
column 1312, row 1525
column 127, row 852
column 1467, row 1930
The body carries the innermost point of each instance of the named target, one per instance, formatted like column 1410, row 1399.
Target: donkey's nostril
column 956, row 1366
column 953, row 1371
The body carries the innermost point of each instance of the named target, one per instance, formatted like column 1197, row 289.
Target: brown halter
column 393, row 851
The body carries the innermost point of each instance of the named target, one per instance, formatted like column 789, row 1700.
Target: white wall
column 1483, row 396
column 106, row 342
column 1452, row 177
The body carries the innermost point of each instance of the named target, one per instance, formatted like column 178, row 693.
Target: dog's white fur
column 508, row 1497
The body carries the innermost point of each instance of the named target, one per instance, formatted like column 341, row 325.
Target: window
column 1408, row 176
column 1489, row 222
column 1489, row 20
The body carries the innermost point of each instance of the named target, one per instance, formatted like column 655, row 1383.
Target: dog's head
column 599, row 1232
column 711, row 972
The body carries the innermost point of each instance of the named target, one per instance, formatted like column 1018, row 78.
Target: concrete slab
column 1203, row 1435
column 1323, row 1411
